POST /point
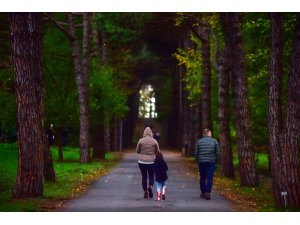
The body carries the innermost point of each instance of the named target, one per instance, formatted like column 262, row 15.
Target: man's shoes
column 207, row 196
column 146, row 194
column 150, row 192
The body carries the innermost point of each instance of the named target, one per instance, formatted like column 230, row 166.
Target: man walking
column 207, row 153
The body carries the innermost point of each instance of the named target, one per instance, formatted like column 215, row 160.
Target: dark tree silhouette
column 227, row 168
column 206, row 77
column 291, row 129
column 26, row 34
column 275, row 114
column 284, row 136
column 81, row 70
column 234, row 43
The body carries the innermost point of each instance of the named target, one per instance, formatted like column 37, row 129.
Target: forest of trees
column 235, row 73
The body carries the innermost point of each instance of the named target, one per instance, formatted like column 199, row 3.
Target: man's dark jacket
column 207, row 150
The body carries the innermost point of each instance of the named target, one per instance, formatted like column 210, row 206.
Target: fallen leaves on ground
column 241, row 202
column 87, row 180
column 51, row 205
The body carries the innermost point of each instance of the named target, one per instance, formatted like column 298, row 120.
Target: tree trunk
column 274, row 111
column 120, row 133
column 85, row 154
column 206, row 79
column 184, row 131
column 99, row 151
column 227, row 168
column 128, row 126
column 104, row 55
column 115, row 135
column 107, row 137
column 184, row 102
column 59, row 144
column 291, row 130
column 284, row 139
column 197, row 124
column 81, row 70
column 95, row 35
column 49, row 173
column 180, row 107
column 26, row 33
column 194, row 130
column 189, row 130
column 234, row 44
column 173, row 124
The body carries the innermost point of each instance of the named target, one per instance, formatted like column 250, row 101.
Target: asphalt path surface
column 121, row 191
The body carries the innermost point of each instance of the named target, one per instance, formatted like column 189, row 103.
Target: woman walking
column 147, row 147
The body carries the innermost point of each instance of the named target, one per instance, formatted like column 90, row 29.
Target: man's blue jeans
column 206, row 170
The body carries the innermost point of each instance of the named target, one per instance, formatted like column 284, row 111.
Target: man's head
column 207, row 132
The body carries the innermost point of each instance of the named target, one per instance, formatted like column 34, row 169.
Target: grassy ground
column 72, row 178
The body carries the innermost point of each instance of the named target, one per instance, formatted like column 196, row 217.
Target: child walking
column 160, row 169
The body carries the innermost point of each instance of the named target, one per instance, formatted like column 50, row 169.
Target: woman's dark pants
column 147, row 174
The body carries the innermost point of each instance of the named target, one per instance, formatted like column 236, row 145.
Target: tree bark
column 184, row 102
column 49, row 173
column 284, row 137
column 206, row 79
column 104, row 58
column 104, row 53
column 274, row 104
column 98, row 150
column 180, row 107
column 291, row 130
column 234, row 43
column 26, row 33
column 59, row 144
column 128, row 125
column 107, row 137
column 115, row 142
column 197, row 124
column 227, row 168
column 84, row 109
column 95, row 35
column 81, row 70
column 189, row 130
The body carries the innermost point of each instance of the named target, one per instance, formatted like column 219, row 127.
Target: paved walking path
column 121, row 191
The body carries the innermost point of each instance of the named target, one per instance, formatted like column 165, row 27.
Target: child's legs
column 164, row 186
column 158, row 186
